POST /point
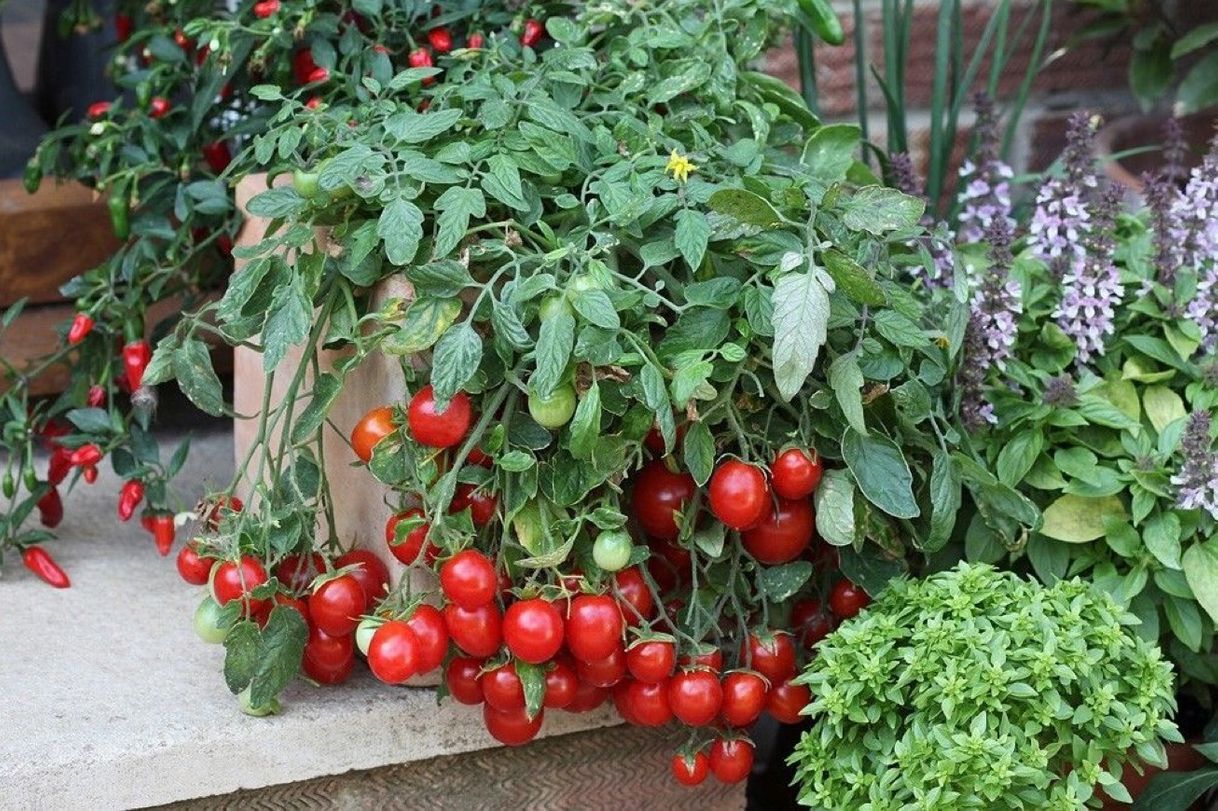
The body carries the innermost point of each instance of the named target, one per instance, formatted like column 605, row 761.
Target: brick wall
column 1091, row 74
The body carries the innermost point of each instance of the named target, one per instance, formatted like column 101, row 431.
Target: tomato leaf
column 281, row 646
column 533, row 680
column 699, row 452
column 555, row 341
column 400, row 226
column 835, row 508
column 745, row 206
column 879, row 210
column 881, row 471
column 586, row 424
column 780, row 582
column 456, row 359
column 196, row 377
column 241, row 655
column 800, row 321
column 691, row 236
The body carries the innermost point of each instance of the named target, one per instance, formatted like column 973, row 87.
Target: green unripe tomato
column 611, row 550
column 582, row 283
column 554, row 411
column 552, row 306
column 305, row 183
column 243, row 700
column 363, row 633
column 208, row 622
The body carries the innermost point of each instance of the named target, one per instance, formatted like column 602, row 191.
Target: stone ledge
column 110, row 700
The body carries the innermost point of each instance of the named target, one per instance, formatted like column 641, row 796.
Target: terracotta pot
column 1181, row 757
column 1136, row 131
column 361, row 503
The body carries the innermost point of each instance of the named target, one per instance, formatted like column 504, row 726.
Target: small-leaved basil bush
column 978, row 689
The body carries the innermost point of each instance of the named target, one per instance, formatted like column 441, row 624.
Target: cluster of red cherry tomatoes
column 521, row 652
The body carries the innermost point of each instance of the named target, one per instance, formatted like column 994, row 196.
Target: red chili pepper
column 86, row 456
column 82, row 325
column 421, row 58
column 40, row 562
column 159, row 107
column 50, row 508
column 318, row 75
column 184, row 42
column 123, row 26
column 96, row 398
column 97, row 109
column 136, row 355
column 533, row 31
column 161, row 527
column 217, row 156
column 60, row 465
column 266, row 8
column 313, row 103
column 90, row 473
column 222, row 505
column 129, row 498
column 441, row 39
column 476, row 41
column 202, row 54
column 303, row 65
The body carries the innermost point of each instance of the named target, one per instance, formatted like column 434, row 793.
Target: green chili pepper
column 31, row 479
column 33, row 176
column 10, row 486
column 823, row 21
column 119, row 204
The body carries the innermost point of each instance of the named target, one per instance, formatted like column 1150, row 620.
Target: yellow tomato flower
column 680, row 166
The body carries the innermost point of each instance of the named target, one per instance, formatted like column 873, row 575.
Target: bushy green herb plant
column 975, row 688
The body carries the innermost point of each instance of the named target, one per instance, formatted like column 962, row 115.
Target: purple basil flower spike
column 1092, row 289
column 986, row 192
column 1062, row 220
column 989, row 340
column 1197, row 479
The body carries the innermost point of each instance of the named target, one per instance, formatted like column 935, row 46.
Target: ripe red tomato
column 621, row 702
column 295, row 603
column 634, row 596
column 562, row 684
column 690, row 770
column 648, row 703
column 810, row 622
column 371, row 574
column 651, row 661
column 328, row 659
column 502, row 689
column 594, row 627
column 159, row 107
column 475, row 41
column 464, row 679
column 266, row 8
column 435, row 428
column 428, row 625
column 533, row 630
column 771, row 653
column 394, row 653
column 738, row 494
column 336, row 605
column 481, row 504
column 297, row 571
column 408, row 550
column 587, row 698
column 236, row 579
column 786, row 700
column 658, row 495
column 707, row 658
column 194, row 568
column 603, row 672
column 744, row 696
column 731, row 759
column 796, row 473
column 783, row 535
column 511, row 728
column 847, row 600
column 695, row 697
column 370, row 430
column 477, row 631
column 468, row 579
